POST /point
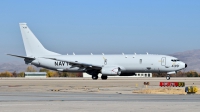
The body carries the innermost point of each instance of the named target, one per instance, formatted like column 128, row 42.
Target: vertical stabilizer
column 32, row 45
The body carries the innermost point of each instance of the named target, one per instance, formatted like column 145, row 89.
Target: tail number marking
column 175, row 65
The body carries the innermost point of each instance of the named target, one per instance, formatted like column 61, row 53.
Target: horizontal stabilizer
column 25, row 57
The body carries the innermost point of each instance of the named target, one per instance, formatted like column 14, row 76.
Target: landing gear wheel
column 94, row 77
column 168, row 77
column 103, row 77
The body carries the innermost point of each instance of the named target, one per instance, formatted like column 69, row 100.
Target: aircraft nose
column 185, row 65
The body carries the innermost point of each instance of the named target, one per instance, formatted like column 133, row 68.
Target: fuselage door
column 163, row 61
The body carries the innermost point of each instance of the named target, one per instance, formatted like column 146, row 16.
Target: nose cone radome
column 185, row 65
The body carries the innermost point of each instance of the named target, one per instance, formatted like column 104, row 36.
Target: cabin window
column 148, row 75
column 138, row 74
column 140, row 61
column 145, row 75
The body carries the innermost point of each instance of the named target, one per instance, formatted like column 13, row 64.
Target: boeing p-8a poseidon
column 107, row 65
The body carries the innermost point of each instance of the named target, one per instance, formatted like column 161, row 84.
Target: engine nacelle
column 127, row 74
column 111, row 70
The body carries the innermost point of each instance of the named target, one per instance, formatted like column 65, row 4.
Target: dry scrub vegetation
column 180, row 91
column 50, row 73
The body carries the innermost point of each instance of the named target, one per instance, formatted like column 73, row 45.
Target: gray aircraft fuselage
column 128, row 63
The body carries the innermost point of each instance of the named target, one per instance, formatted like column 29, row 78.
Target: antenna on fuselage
column 74, row 53
column 91, row 54
column 102, row 53
column 123, row 54
column 147, row 53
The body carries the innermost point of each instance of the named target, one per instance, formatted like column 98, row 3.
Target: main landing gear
column 94, row 77
column 103, row 77
column 168, row 77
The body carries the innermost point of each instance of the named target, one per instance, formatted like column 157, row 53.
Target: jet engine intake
column 111, row 70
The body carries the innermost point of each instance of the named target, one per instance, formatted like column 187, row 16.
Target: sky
column 101, row 26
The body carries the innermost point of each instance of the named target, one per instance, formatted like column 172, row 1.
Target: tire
column 168, row 77
column 95, row 77
column 103, row 77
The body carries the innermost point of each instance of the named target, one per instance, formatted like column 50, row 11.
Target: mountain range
column 11, row 67
column 191, row 58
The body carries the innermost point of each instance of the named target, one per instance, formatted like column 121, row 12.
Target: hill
column 11, row 67
column 191, row 58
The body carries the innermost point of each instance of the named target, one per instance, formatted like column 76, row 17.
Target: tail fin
column 32, row 45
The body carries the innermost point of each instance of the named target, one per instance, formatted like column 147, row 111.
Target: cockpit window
column 174, row 60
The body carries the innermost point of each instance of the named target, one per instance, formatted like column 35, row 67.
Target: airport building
column 137, row 75
column 35, row 74
column 143, row 75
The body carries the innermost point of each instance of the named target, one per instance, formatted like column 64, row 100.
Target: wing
column 78, row 64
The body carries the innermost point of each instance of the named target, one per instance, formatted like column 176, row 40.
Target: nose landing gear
column 168, row 77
